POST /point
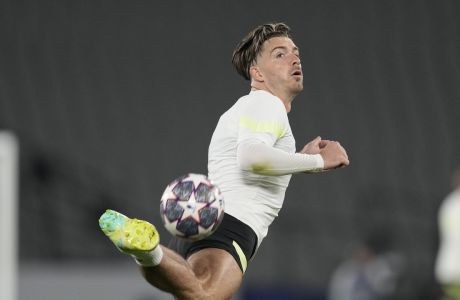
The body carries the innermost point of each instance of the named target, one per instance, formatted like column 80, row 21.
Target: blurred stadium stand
column 112, row 100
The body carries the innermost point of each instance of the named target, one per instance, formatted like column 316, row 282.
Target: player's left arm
column 261, row 126
column 258, row 157
column 314, row 146
column 333, row 154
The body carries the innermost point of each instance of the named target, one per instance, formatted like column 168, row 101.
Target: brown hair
column 247, row 50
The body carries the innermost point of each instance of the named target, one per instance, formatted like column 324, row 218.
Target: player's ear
column 255, row 73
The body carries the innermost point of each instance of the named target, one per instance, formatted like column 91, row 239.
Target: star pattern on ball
column 197, row 180
column 191, row 208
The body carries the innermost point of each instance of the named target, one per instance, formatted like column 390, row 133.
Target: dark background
column 111, row 100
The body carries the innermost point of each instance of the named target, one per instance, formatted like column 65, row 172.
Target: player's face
column 279, row 63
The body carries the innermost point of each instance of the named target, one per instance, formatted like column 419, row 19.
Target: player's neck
column 284, row 98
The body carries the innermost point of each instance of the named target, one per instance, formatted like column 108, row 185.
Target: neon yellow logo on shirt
column 262, row 126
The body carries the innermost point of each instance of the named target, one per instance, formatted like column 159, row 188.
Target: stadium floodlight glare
column 8, row 215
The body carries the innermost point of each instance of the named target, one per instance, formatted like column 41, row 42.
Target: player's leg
column 220, row 260
column 169, row 271
column 173, row 275
column 207, row 274
column 452, row 291
column 218, row 271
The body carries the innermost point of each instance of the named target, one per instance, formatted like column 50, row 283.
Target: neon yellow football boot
column 131, row 236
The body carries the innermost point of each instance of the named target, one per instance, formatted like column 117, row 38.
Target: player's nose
column 295, row 59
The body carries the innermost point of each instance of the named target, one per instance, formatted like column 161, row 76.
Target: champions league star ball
column 192, row 207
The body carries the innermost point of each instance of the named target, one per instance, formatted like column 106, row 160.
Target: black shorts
column 232, row 235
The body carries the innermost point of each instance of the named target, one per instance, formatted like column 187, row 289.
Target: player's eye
column 279, row 55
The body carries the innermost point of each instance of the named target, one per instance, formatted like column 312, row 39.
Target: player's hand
column 334, row 155
column 315, row 146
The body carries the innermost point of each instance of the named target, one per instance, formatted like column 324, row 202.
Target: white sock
column 149, row 259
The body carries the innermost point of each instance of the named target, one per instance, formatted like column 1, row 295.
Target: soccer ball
column 192, row 207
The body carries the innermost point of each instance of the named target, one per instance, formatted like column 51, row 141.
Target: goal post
column 8, row 215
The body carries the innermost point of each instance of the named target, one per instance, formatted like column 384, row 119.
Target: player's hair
column 245, row 54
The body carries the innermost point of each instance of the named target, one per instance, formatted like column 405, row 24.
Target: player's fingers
column 342, row 150
column 316, row 141
column 344, row 164
column 345, row 152
column 323, row 143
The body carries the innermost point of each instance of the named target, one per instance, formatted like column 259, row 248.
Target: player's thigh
column 218, row 272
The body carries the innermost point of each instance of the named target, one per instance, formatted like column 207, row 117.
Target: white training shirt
column 251, row 159
column 448, row 260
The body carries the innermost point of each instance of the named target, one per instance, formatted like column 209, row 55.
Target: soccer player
column 447, row 268
column 251, row 158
